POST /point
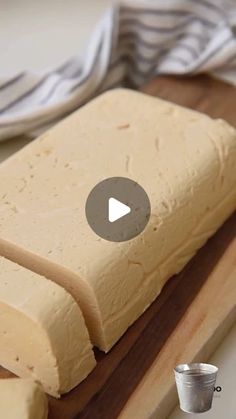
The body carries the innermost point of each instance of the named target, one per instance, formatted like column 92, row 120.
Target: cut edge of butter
column 22, row 398
column 42, row 331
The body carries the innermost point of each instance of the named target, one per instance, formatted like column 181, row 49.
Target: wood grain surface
column 202, row 93
column 200, row 330
column 127, row 380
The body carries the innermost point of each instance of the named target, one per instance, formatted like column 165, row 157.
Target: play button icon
column 117, row 209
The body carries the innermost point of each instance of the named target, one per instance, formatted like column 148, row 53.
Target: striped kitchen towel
column 133, row 42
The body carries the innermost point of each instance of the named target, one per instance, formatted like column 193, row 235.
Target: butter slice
column 184, row 160
column 22, row 399
column 42, row 331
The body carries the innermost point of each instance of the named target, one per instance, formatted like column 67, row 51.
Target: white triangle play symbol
column 117, row 210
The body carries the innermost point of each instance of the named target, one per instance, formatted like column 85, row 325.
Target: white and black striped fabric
column 133, row 42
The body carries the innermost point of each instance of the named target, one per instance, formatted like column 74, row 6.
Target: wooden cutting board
column 193, row 313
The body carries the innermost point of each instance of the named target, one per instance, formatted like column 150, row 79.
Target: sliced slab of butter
column 22, row 399
column 184, row 160
column 42, row 331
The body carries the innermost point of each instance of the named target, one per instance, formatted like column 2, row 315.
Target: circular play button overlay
column 118, row 209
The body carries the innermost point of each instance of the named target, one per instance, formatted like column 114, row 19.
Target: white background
column 39, row 34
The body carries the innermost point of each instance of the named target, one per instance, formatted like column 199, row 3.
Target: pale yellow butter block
column 184, row 160
column 22, row 399
column 42, row 331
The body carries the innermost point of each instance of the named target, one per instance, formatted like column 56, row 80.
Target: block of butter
column 184, row 160
column 22, row 399
column 42, row 331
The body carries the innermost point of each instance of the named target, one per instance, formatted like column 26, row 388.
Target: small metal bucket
column 195, row 385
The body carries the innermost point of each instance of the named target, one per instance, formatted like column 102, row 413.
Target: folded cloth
column 133, row 42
